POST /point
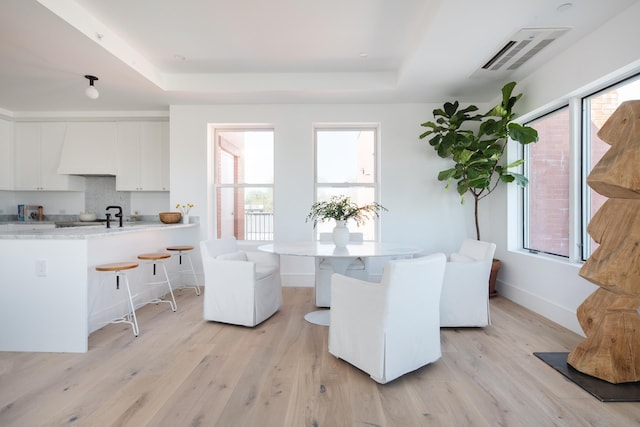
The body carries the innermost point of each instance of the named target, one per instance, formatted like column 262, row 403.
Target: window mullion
column 577, row 178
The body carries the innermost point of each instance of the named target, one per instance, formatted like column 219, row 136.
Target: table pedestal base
column 318, row 317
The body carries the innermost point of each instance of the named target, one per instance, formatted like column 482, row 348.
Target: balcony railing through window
column 258, row 226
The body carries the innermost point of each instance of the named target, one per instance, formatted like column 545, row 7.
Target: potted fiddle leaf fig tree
column 475, row 143
column 476, row 151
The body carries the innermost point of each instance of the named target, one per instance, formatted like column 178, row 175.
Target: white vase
column 340, row 234
column 185, row 219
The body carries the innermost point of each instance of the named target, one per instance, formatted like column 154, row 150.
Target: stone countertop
column 89, row 232
column 15, row 221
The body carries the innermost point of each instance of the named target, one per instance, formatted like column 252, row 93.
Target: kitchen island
column 52, row 297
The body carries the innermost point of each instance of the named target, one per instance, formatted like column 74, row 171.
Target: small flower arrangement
column 341, row 208
column 184, row 208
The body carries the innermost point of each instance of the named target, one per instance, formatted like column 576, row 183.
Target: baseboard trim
column 552, row 311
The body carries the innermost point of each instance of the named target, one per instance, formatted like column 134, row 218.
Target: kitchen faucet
column 118, row 215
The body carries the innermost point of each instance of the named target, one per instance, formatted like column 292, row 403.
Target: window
column 597, row 109
column 244, row 183
column 548, row 213
column 547, row 195
column 346, row 165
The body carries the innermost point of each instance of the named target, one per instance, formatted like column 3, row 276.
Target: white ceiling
column 149, row 54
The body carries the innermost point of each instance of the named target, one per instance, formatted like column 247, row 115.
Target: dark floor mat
column 603, row 390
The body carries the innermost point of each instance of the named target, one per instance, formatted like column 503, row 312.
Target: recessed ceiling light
column 363, row 54
column 564, row 7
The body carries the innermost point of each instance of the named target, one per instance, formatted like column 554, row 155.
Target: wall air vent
column 517, row 50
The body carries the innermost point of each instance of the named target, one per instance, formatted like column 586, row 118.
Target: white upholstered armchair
column 390, row 328
column 465, row 291
column 241, row 287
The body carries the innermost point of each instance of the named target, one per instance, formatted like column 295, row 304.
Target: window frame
column 580, row 161
column 374, row 184
column 526, row 191
column 218, row 186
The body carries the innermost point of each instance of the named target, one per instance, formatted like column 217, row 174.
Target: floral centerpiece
column 341, row 208
column 185, row 209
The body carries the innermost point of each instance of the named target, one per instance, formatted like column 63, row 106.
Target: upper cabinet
column 56, row 156
column 37, row 151
column 6, row 155
column 142, row 156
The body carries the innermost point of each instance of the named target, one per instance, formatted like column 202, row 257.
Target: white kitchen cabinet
column 37, row 155
column 6, row 155
column 142, row 156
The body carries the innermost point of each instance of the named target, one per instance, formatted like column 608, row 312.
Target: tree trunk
column 475, row 210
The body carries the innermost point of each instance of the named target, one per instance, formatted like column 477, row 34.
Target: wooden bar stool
column 119, row 269
column 155, row 259
column 181, row 251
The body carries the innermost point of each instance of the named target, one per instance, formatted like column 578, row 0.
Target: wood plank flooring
column 182, row 371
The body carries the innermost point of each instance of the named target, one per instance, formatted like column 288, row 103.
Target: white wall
column 420, row 212
column 550, row 286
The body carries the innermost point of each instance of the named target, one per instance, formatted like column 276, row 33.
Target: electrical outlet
column 41, row 267
column 62, row 211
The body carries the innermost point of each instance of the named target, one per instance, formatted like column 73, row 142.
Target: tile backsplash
column 101, row 192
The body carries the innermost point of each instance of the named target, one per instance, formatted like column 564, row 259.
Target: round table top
column 328, row 249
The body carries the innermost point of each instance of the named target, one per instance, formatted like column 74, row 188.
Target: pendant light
column 91, row 91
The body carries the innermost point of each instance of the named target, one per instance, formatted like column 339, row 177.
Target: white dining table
column 339, row 259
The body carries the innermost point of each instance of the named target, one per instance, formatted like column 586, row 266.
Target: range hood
column 89, row 149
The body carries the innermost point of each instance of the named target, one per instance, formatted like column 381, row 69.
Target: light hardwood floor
column 182, row 371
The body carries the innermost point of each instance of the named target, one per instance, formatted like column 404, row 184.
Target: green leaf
column 446, row 174
column 465, row 156
column 462, row 187
column 520, row 179
column 506, row 92
column 469, row 109
column 507, row 178
column 425, row 134
column 522, row 134
column 435, row 140
column 450, row 109
column 480, row 182
column 514, row 164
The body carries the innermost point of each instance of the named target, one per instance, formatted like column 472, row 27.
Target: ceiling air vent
column 519, row 49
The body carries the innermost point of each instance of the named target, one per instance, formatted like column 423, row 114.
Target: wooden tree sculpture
column 610, row 316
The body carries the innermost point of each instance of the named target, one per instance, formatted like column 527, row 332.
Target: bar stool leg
column 132, row 313
column 154, row 259
column 174, row 307
column 119, row 270
column 195, row 277
column 181, row 251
